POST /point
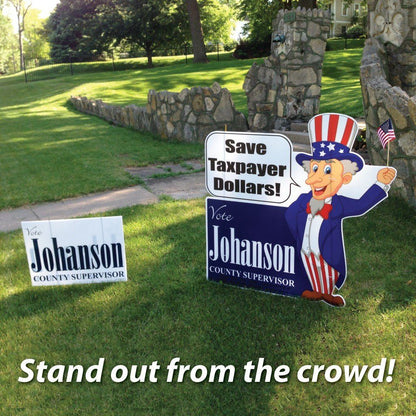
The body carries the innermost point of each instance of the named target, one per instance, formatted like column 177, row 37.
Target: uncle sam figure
column 315, row 218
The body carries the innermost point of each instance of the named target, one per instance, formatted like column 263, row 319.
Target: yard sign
column 292, row 242
column 63, row 252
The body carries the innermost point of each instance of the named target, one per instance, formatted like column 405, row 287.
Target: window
column 345, row 9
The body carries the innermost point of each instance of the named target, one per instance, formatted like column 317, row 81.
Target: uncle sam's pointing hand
column 315, row 218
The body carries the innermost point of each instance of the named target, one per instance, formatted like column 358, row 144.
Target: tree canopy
column 218, row 19
column 259, row 15
column 8, row 44
column 81, row 30
column 85, row 29
column 149, row 24
column 35, row 42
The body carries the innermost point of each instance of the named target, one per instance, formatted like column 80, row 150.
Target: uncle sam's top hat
column 332, row 136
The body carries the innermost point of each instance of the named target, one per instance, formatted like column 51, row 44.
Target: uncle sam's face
column 326, row 178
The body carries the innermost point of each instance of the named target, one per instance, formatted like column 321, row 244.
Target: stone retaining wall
column 188, row 116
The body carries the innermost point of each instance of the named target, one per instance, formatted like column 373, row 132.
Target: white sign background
column 105, row 233
column 250, row 166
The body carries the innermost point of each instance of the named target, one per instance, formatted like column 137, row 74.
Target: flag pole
column 386, row 134
column 388, row 153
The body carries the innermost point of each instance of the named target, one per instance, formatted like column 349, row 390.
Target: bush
column 252, row 49
column 336, row 44
column 355, row 31
column 229, row 47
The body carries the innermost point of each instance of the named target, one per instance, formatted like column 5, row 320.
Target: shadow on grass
column 167, row 309
column 50, row 157
column 382, row 247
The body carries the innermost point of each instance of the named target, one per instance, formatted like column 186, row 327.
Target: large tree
column 150, row 24
column 82, row 30
column 200, row 55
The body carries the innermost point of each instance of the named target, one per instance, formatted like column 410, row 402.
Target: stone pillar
column 393, row 22
column 287, row 86
column 388, row 82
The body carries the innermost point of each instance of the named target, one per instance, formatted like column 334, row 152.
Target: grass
column 167, row 309
column 53, row 70
column 127, row 88
column 341, row 88
column 61, row 153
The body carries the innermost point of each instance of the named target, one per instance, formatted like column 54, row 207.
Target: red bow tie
column 324, row 212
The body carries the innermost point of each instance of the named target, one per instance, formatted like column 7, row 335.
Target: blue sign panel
column 250, row 245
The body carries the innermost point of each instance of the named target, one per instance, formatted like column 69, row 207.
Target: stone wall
column 393, row 22
column 388, row 82
column 287, row 86
column 188, row 116
column 128, row 116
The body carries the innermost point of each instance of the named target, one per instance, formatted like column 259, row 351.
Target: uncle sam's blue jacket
column 331, row 241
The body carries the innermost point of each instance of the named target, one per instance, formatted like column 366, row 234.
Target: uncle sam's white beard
column 316, row 205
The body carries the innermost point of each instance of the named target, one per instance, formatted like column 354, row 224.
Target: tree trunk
column 22, row 63
column 21, row 11
column 149, row 55
column 200, row 55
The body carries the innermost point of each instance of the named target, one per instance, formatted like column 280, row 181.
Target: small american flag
column 386, row 133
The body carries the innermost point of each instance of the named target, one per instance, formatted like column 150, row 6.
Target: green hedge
column 336, row 44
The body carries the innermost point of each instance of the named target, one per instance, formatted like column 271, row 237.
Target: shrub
column 252, row 49
column 355, row 31
column 336, row 44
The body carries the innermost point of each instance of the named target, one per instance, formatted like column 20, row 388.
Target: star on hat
column 335, row 133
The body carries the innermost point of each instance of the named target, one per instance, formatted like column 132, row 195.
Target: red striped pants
column 321, row 275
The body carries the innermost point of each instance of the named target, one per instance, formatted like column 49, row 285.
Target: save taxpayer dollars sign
column 278, row 224
column 75, row 251
column 249, row 166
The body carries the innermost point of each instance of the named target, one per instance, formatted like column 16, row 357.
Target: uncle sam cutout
column 315, row 218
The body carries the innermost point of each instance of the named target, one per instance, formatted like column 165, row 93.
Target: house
column 342, row 13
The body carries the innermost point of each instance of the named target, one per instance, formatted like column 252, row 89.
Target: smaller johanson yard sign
column 63, row 252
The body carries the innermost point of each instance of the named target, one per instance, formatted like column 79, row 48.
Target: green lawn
column 48, row 151
column 167, row 309
column 341, row 88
